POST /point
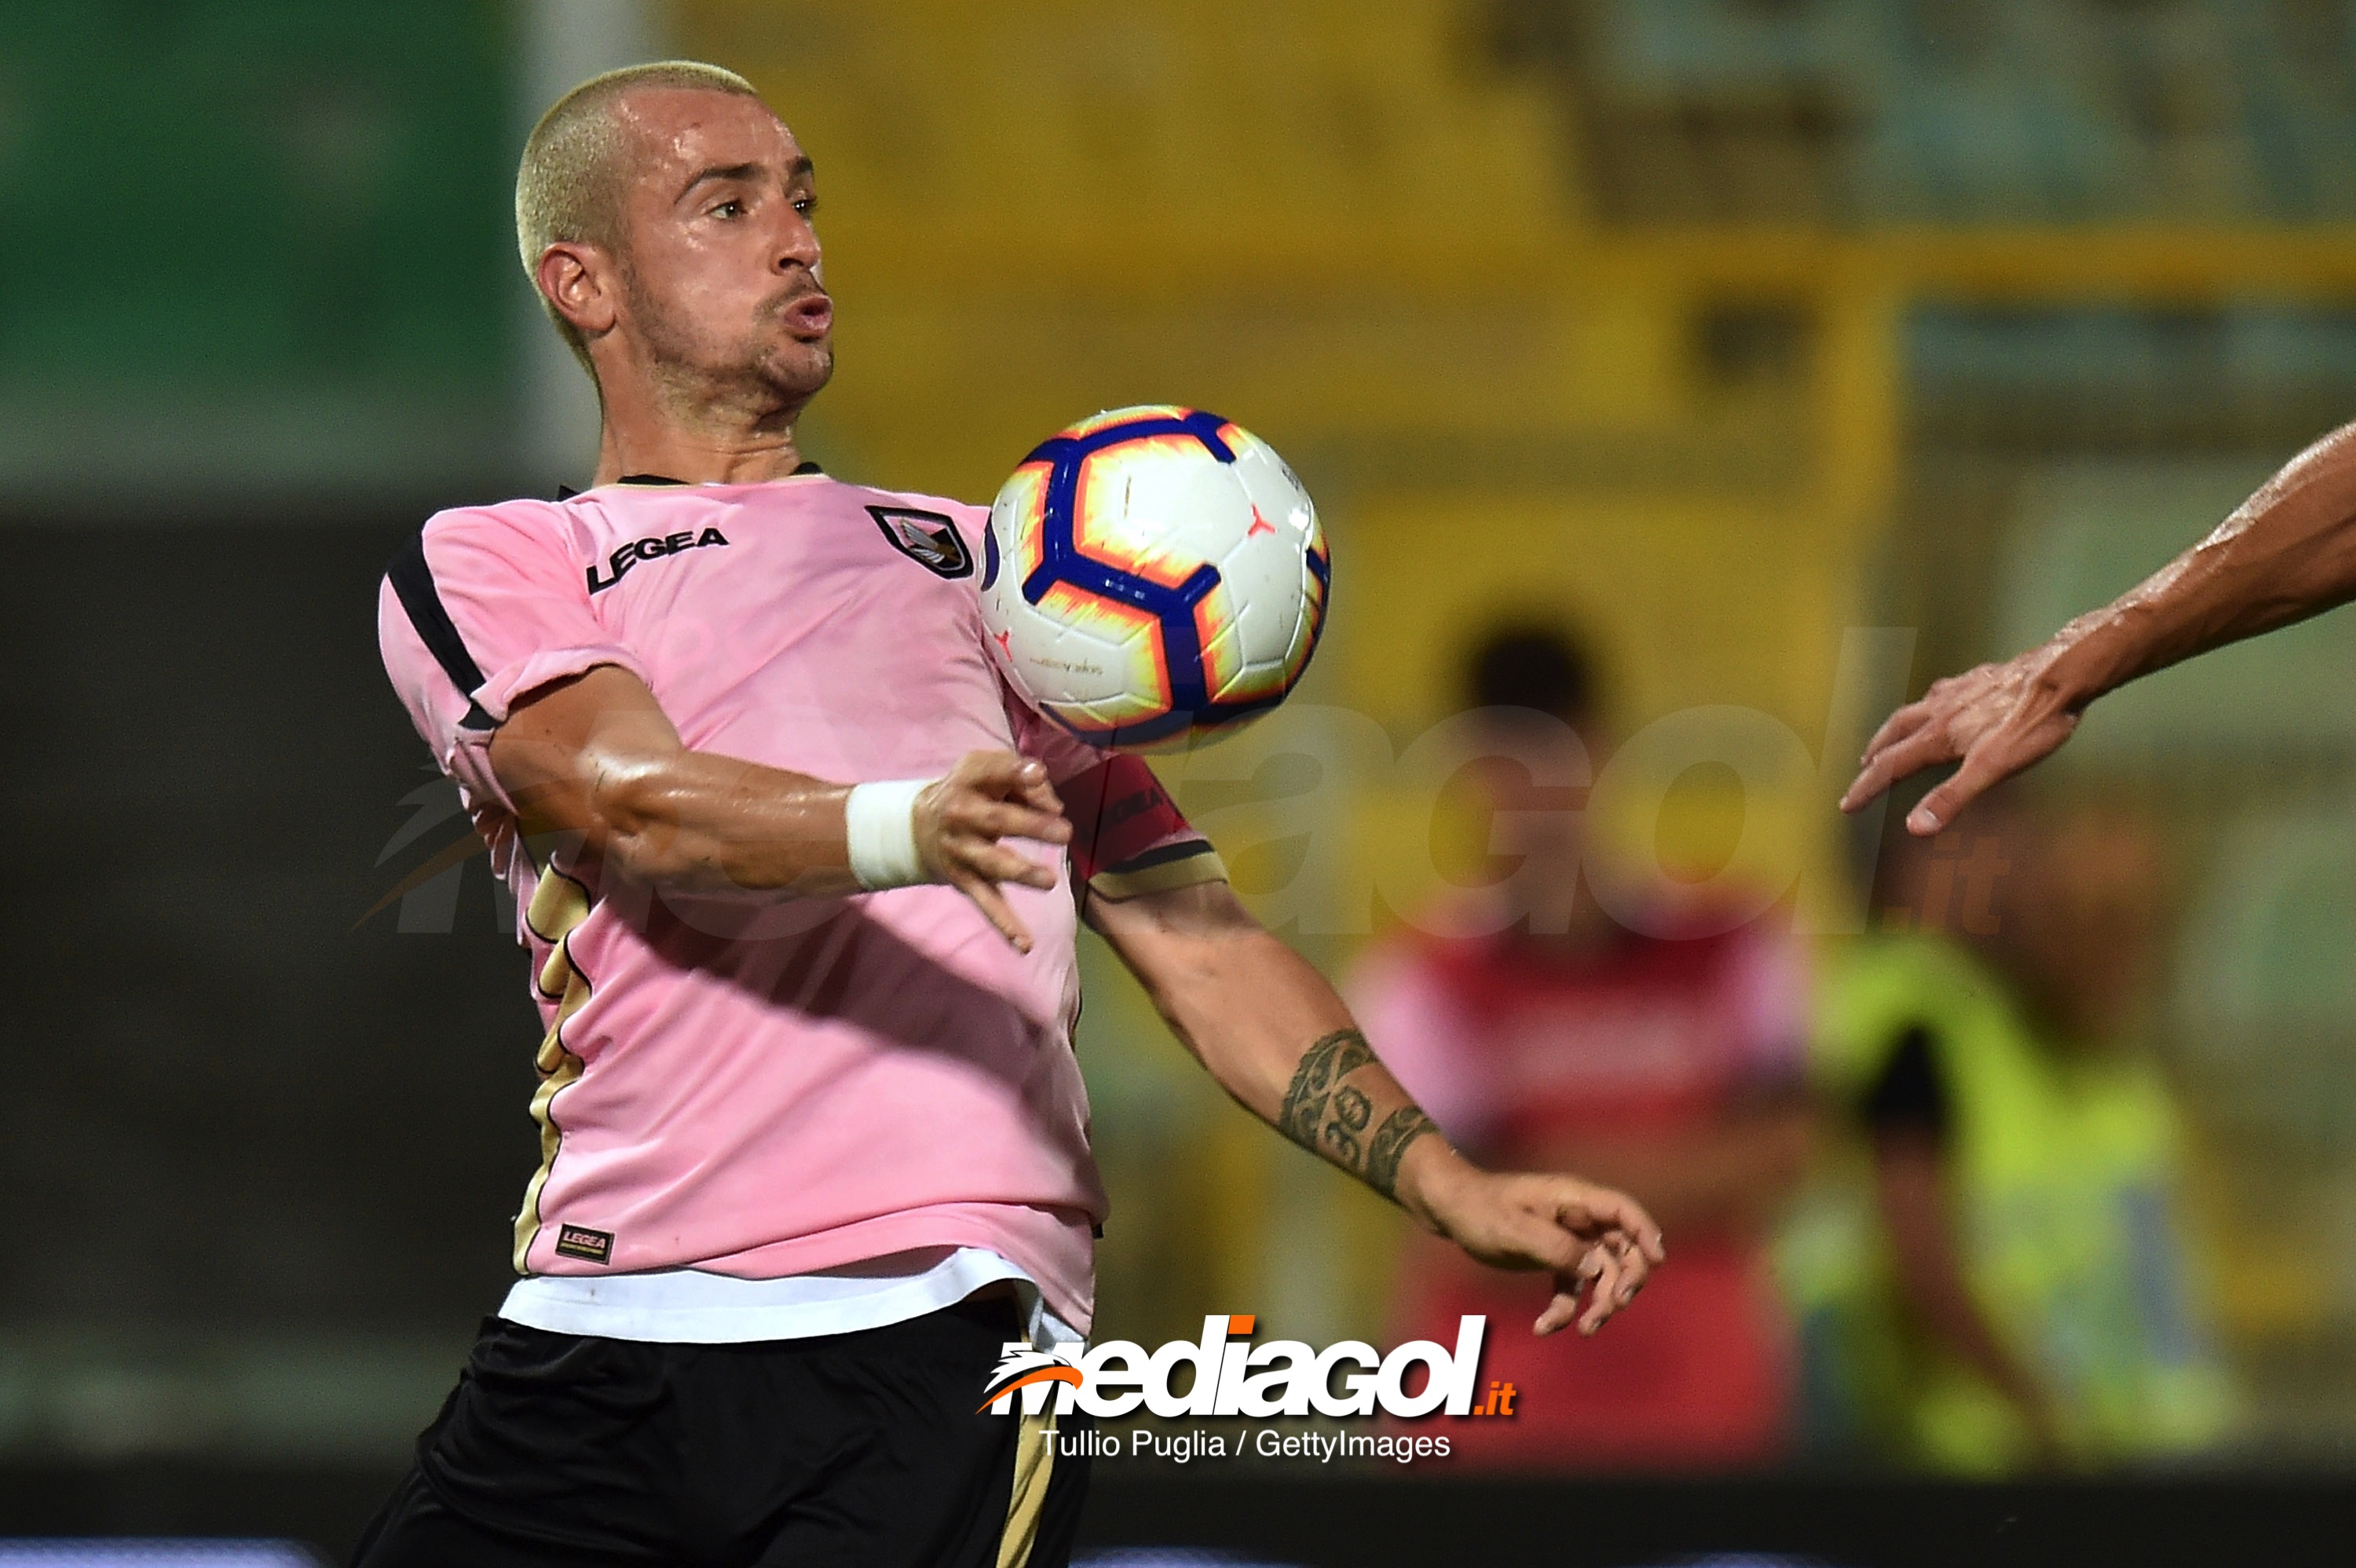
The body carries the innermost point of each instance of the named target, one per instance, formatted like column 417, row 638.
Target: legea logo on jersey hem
column 628, row 556
column 581, row 1242
column 1232, row 1376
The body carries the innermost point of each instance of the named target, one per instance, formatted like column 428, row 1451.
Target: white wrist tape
column 880, row 821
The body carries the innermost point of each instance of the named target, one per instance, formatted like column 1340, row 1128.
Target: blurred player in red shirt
column 1668, row 1062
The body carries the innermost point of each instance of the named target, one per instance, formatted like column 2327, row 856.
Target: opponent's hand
column 1589, row 1238
column 960, row 818
column 1996, row 721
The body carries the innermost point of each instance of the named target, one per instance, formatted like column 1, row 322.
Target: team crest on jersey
column 928, row 538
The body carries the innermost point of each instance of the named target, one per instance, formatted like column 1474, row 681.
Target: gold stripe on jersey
column 559, row 905
column 1201, row 866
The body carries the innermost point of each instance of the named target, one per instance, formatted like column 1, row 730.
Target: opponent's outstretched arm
column 2287, row 553
column 1276, row 1037
column 596, row 756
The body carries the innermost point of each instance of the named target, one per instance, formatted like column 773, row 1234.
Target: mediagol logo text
column 1232, row 1377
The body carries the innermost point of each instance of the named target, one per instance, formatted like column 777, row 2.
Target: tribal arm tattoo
column 1400, row 1128
column 1328, row 1115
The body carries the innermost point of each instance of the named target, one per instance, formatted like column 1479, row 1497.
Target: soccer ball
column 1153, row 574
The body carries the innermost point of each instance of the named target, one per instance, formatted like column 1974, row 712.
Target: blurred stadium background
column 1719, row 327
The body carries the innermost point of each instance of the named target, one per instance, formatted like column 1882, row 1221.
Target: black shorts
column 862, row 1448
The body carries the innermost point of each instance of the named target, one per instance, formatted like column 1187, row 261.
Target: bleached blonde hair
column 569, row 188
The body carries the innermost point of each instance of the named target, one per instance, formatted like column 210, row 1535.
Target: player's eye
column 730, row 208
column 806, row 205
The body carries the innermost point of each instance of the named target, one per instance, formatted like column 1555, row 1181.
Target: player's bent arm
column 2287, row 553
column 594, row 756
column 1274, row 1036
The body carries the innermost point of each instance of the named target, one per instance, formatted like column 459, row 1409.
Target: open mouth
column 810, row 314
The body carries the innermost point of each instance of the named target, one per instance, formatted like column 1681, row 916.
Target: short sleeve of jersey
column 479, row 609
column 1128, row 837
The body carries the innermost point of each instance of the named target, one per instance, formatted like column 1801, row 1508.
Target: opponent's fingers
column 994, row 909
column 1896, row 728
column 1926, row 747
column 1997, row 756
column 1872, row 780
column 1919, row 748
column 1985, row 766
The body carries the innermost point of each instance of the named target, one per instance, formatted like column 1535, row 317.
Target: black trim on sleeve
column 1184, row 849
column 1911, row 1095
column 412, row 584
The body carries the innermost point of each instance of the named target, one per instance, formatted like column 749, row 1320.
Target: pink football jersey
column 752, row 1084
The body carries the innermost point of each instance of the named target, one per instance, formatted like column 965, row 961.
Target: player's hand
column 960, row 818
column 1996, row 721
column 1589, row 1238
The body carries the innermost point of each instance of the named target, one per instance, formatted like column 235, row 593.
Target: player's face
column 721, row 267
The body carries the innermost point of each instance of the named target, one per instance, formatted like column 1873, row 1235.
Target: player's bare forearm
column 1273, row 1033
column 1269, row 1029
column 597, row 759
column 2287, row 553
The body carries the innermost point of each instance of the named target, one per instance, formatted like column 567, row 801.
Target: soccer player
column 2287, row 553
column 815, row 1145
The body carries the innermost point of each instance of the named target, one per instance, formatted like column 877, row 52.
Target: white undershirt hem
column 689, row 1306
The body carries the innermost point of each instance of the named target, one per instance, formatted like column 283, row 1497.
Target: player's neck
column 696, row 428
column 696, row 457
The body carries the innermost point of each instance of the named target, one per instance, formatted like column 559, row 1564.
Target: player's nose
column 797, row 245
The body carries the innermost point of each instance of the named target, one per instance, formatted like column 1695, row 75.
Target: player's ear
column 578, row 282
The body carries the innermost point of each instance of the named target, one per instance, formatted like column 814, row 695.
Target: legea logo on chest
column 625, row 557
